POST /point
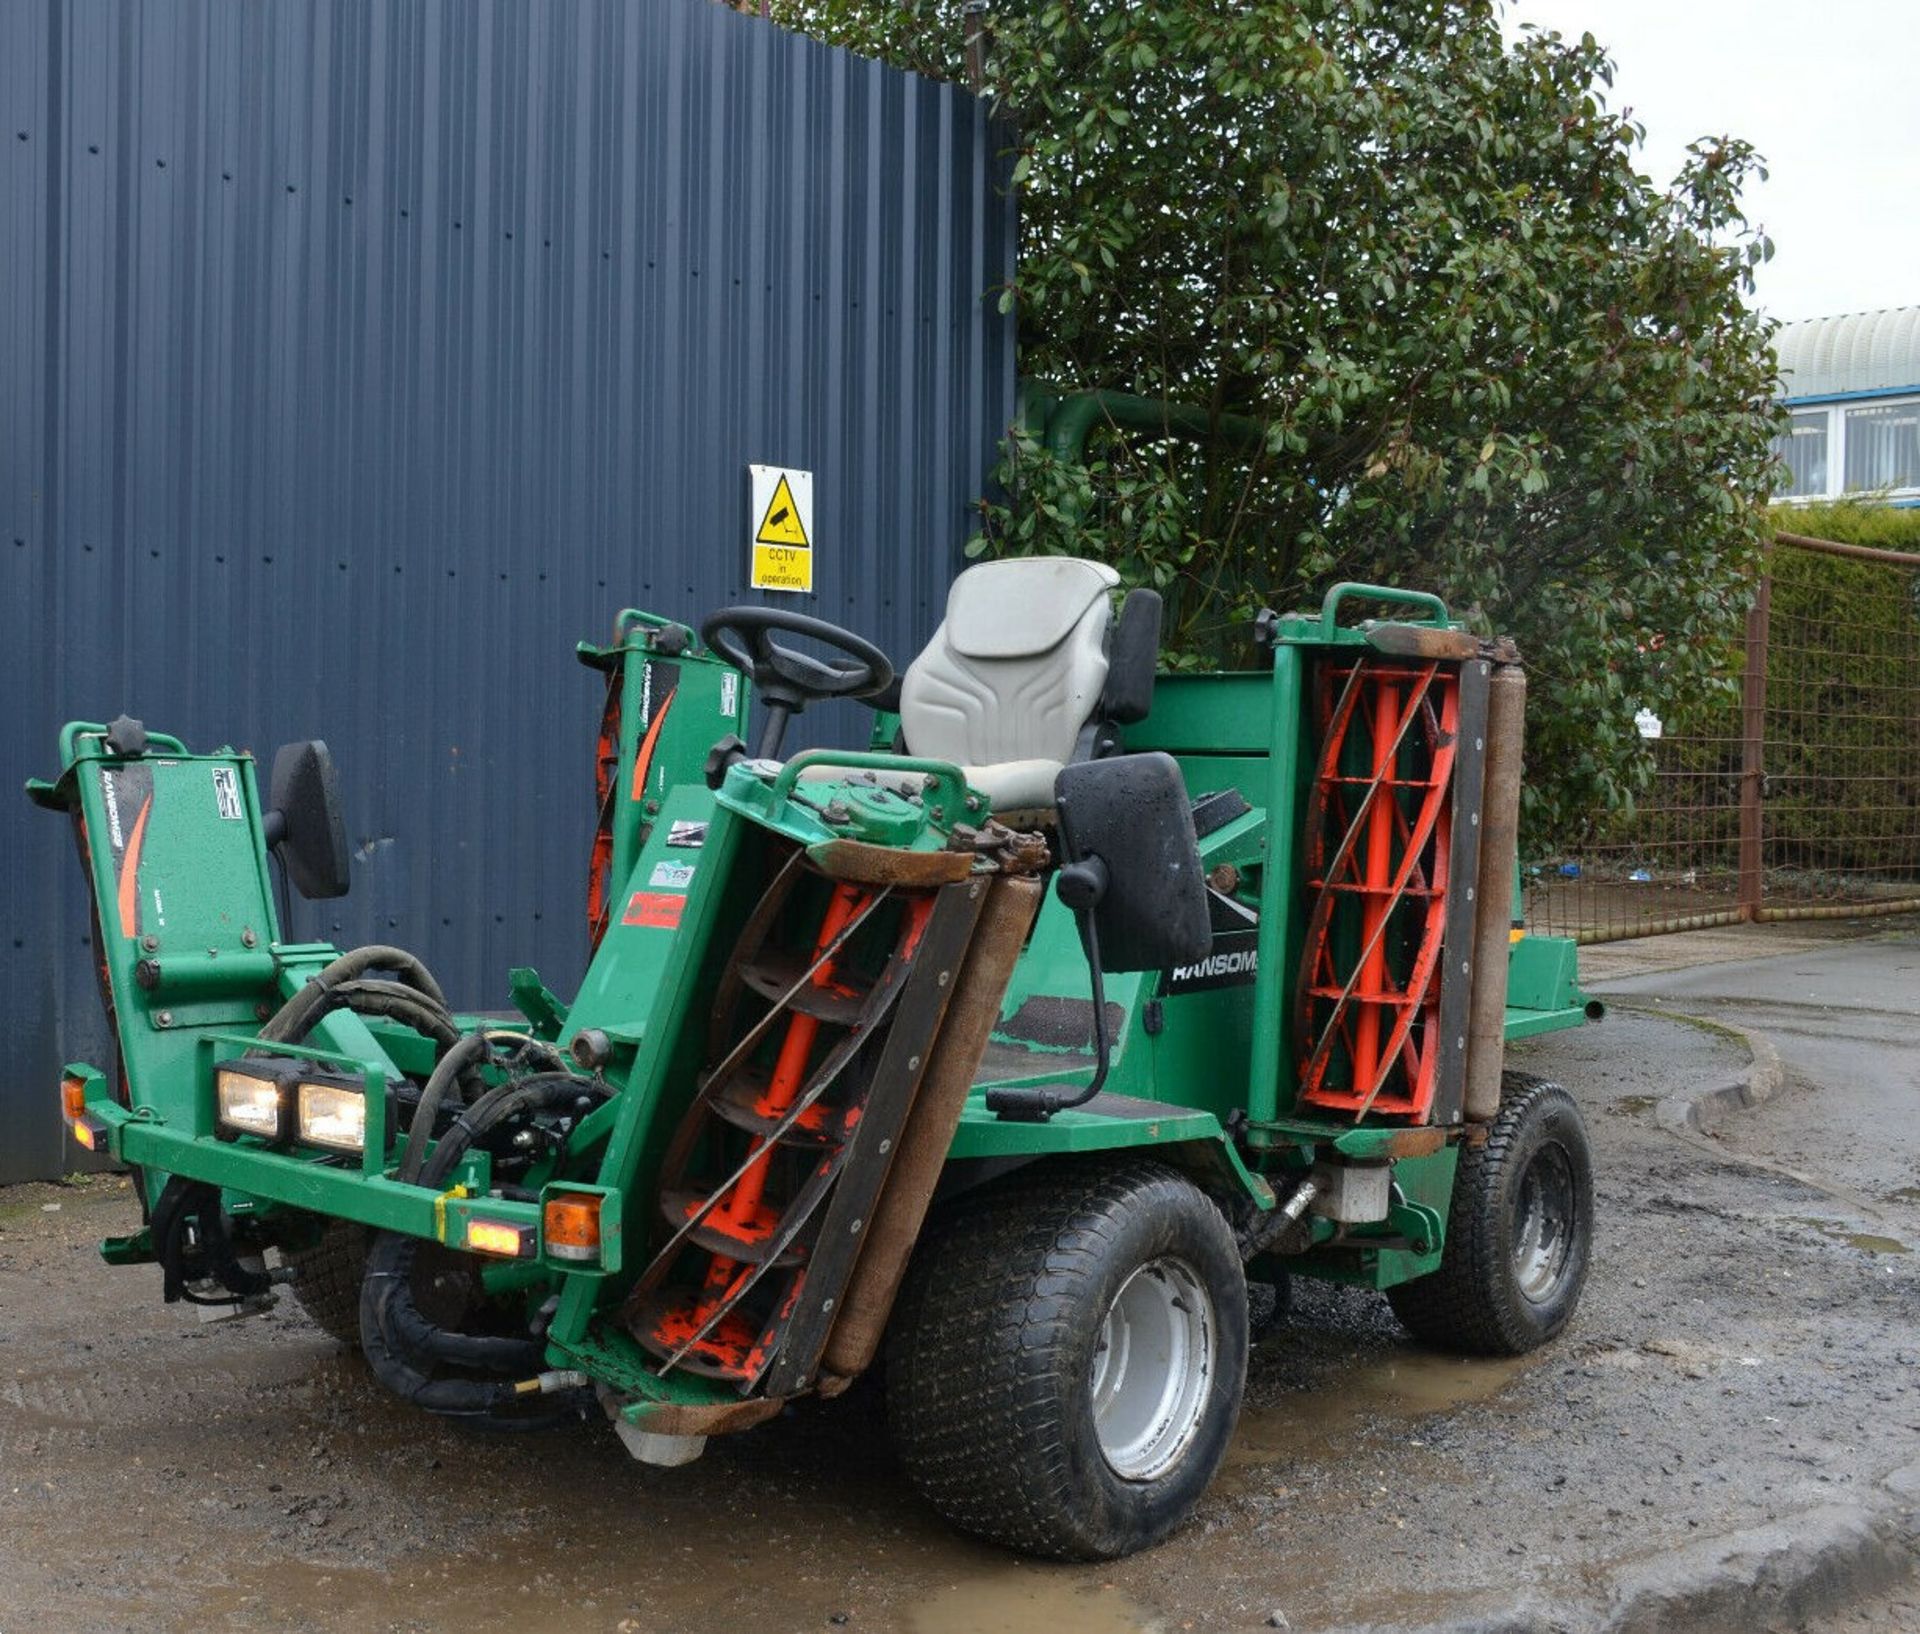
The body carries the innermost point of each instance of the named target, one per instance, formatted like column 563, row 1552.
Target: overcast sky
column 1829, row 92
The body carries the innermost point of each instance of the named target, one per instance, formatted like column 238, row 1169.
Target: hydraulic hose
column 349, row 966
column 460, row 1063
column 418, row 1005
column 398, row 1339
column 531, row 1093
column 411, row 1334
column 373, row 998
column 1263, row 1230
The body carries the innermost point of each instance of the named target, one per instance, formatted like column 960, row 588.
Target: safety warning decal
column 780, row 514
column 659, row 909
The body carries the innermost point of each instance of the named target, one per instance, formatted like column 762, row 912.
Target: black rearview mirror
column 1128, row 818
column 1132, row 877
column 304, row 822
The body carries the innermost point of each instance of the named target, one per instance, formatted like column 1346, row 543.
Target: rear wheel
column 1067, row 1358
column 1519, row 1231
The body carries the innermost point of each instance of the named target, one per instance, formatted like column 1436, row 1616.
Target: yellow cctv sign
column 780, row 512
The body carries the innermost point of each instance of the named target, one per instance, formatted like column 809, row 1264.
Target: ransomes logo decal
column 1233, row 962
column 1241, row 962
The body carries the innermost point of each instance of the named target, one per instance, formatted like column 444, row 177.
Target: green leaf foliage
column 1489, row 357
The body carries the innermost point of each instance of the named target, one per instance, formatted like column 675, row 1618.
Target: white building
column 1852, row 384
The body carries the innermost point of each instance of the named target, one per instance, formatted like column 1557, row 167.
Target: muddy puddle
column 638, row 1553
column 1323, row 1421
column 582, row 1585
column 1839, row 1231
column 532, row 1593
column 1633, row 1106
column 1025, row 1599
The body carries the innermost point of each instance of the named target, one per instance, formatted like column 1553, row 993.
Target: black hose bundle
column 460, row 1064
column 296, row 1018
column 402, row 1346
column 371, row 998
column 415, row 1001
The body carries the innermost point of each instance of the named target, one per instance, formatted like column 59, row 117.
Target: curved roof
column 1857, row 351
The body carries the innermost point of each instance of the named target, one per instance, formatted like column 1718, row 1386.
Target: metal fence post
column 1753, row 727
column 979, row 40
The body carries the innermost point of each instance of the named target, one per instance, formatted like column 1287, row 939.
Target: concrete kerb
column 1700, row 1111
column 1797, row 1567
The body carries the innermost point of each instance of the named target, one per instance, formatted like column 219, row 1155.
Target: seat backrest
column 1016, row 668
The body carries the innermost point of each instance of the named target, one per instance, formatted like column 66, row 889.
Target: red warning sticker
column 661, row 909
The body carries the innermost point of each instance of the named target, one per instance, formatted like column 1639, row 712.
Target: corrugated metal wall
column 355, row 360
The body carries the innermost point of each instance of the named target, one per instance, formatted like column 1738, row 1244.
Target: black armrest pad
column 1132, row 653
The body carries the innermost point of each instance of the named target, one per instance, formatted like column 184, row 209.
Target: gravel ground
column 1746, row 1353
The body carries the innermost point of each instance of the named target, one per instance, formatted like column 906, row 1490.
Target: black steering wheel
column 786, row 680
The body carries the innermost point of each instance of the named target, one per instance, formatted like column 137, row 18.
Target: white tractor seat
column 1012, row 676
column 1015, row 785
column 1010, row 786
column 1022, row 674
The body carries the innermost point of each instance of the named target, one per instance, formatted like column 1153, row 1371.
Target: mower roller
column 1015, row 1046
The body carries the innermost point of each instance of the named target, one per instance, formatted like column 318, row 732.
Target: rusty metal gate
column 1797, row 795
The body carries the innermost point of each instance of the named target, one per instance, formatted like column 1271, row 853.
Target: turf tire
column 1476, row 1304
column 327, row 1276
column 992, row 1346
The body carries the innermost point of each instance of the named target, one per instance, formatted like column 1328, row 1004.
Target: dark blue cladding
column 355, row 360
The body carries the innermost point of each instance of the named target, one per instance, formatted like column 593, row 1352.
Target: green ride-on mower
column 1016, row 1047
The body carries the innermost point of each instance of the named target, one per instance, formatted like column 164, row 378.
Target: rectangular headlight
column 250, row 1101
column 333, row 1117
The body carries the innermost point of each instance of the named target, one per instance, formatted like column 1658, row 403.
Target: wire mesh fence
column 1796, row 796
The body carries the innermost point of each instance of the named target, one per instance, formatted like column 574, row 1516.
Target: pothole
column 1838, row 1231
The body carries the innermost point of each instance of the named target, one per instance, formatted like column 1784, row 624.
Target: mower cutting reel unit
column 1018, row 1044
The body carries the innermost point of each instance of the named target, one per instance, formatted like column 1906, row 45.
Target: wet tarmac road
column 1747, row 1351
column 1846, row 1021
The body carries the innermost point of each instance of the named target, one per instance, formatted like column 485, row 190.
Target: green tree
column 1482, row 352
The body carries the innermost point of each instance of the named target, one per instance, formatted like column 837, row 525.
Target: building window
column 1883, row 447
column 1803, row 450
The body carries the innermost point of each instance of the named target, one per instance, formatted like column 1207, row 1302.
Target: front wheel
column 326, row 1278
column 1519, row 1231
column 329, row 1271
column 1066, row 1361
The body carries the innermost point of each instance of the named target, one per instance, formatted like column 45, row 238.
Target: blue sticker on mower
column 671, row 876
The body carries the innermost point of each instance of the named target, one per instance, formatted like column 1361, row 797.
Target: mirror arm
column 1032, row 1105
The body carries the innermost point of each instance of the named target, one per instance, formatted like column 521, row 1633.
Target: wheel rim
column 1152, row 1365
column 1544, row 1228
